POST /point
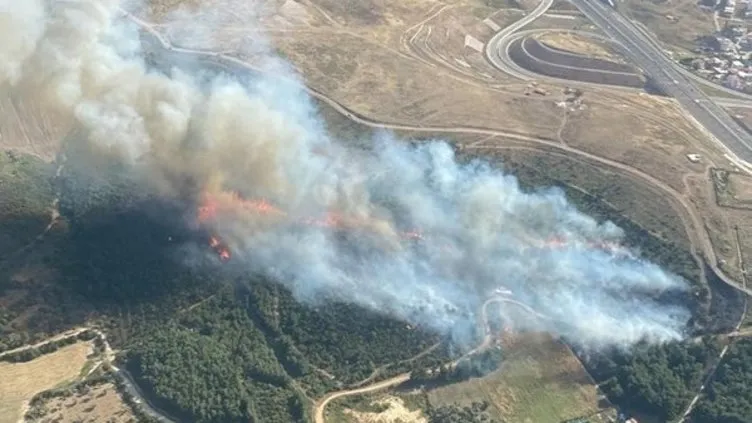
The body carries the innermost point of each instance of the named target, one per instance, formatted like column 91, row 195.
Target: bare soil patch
column 21, row 381
column 395, row 412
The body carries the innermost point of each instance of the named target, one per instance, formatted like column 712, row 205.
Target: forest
column 228, row 360
column 659, row 380
column 728, row 398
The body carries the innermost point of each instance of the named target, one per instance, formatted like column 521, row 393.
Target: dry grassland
column 21, row 381
column 540, row 381
column 579, row 44
column 101, row 404
column 384, row 87
column 691, row 21
column 647, row 132
column 730, row 213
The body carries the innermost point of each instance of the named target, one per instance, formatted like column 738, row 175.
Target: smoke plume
column 404, row 230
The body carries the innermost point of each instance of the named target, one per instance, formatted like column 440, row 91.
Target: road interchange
column 665, row 75
column 670, row 77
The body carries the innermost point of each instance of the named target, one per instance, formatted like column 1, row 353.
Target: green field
column 539, row 381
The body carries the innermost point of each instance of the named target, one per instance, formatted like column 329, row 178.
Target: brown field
column 21, row 381
column 539, row 381
column 679, row 36
column 102, row 403
column 579, row 44
column 27, row 127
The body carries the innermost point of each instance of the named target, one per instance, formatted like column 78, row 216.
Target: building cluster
column 730, row 8
column 726, row 58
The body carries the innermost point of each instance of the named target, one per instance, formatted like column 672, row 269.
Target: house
column 722, row 44
column 730, row 8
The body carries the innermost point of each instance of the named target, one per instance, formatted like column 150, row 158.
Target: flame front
column 213, row 205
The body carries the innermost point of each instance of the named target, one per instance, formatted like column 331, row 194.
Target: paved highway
column 645, row 54
column 491, row 54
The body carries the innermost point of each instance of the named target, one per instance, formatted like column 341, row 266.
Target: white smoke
column 265, row 140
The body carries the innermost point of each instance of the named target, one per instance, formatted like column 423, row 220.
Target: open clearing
column 102, row 403
column 21, row 381
column 539, row 381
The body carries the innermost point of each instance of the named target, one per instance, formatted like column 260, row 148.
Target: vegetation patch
column 26, row 195
column 728, row 397
column 255, row 344
column 95, row 400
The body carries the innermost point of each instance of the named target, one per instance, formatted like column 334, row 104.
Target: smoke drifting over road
column 264, row 140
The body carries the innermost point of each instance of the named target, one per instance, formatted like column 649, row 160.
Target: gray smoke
column 264, row 140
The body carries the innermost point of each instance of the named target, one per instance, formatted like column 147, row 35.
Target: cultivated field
column 102, row 403
column 26, row 126
column 539, row 381
column 21, row 381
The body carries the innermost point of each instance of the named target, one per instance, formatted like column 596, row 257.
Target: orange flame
column 214, row 204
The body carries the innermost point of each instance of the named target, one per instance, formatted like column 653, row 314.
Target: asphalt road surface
column 668, row 78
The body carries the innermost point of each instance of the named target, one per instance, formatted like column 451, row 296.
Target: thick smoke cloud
column 263, row 139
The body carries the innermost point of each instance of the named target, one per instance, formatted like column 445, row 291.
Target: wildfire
column 213, row 205
column 220, row 248
column 230, row 202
